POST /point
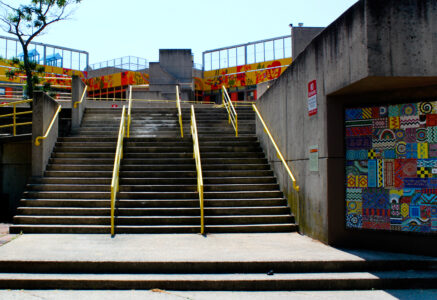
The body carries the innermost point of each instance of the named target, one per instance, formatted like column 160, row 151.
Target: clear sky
column 110, row 29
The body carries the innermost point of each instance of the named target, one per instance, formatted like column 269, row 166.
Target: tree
column 27, row 22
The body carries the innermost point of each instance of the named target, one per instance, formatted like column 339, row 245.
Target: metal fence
column 249, row 53
column 45, row 54
column 131, row 63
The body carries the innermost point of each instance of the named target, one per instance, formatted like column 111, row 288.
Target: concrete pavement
column 275, row 247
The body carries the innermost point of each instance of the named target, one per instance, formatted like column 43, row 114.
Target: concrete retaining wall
column 44, row 108
column 376, row 51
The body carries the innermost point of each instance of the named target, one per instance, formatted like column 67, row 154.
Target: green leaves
column 28, row 21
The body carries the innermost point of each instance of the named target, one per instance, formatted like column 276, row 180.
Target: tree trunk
column 29, row 81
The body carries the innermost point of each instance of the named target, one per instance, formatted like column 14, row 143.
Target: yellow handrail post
column 196, row 155
column 178, row 105
column 278, row 152
column 232, row 113
column 81, row 98
column 116, row 171
column 15, row 119
column 14, row 115
column 37, row 140
column 129, row 112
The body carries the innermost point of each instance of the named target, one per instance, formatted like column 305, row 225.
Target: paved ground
column 169, row 247
column 4, row 234
column 176, row 295
column 179, row 247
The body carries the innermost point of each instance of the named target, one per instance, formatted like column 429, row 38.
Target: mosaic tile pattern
column 391, row 167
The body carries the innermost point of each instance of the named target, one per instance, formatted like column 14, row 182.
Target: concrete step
column 150, row 211
column 222, row 282
column 74, row 187
column 59, row 228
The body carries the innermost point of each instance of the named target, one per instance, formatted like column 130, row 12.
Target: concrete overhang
column 423, row 86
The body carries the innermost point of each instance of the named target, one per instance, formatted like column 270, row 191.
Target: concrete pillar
column 77, row 88
column 44, row 108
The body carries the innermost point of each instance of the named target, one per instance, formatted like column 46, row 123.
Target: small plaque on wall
column 314, row 158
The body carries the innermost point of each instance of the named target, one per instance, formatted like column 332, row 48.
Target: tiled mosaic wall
column 391, row 167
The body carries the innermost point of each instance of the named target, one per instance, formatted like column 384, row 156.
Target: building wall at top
column 376, row 51
column 177, row 62
column 301, row 37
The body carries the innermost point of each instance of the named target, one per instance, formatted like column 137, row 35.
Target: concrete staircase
column 74, row 194
column 158, row 178
column 241, row 192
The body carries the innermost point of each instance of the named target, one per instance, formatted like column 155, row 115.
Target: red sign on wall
column 312, row 98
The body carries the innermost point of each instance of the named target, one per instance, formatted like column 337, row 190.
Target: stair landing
column 195, row 262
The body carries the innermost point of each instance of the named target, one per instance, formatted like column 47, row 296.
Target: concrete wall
column 78, row 87
column 376, row 51
column 15, row 168
column 44, row 108
column 178, row 62
column 301, row 37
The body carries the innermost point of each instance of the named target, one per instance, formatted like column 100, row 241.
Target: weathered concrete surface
column 275, row 247
column 301, row 37
column 376, row 51
column 78, row 87
column 44, row 108
column 15, row 168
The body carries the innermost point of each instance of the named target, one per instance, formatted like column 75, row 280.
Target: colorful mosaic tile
column 391, row 167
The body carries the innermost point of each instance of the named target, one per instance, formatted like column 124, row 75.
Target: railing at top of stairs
column 227, row 103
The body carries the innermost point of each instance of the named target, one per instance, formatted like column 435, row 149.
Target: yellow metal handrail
column 227, row 103
column 196, row 154
column 37, row 140
column 81, row 98
column 178, row 105
column 129, row 115
column 278, row 152
column 115, row 183
column 14, row 114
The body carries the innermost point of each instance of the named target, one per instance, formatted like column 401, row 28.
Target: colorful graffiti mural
column 118, row 80
column 391, row 167
column 55, row 75
column 244, row 75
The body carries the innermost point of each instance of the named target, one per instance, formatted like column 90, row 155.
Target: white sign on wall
column 312, row 98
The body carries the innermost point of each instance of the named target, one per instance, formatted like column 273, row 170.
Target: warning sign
column 312, row 98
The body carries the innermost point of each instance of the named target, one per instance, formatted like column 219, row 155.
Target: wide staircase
column 158, row 195
column 158, row 179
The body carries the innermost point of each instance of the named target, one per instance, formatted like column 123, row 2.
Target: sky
column 109, row 29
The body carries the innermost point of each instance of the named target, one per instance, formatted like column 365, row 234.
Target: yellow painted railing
column 37, row 140
column 14, row 115
column 115, row 183
column 278, row 152
column 129, row 110
column 227, row 103
column 178, row 104
column 196, row 154
column 81, row 98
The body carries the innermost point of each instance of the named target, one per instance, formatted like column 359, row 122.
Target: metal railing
column 81, row 98
column 178, row 105
column 278, row 152
column 227, row 103
column 196, row 154
column 129, row 110
column 115, row 183
column 14, row 115
column 37, row 140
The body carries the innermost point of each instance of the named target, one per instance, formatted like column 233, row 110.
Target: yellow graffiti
column 244, row 75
